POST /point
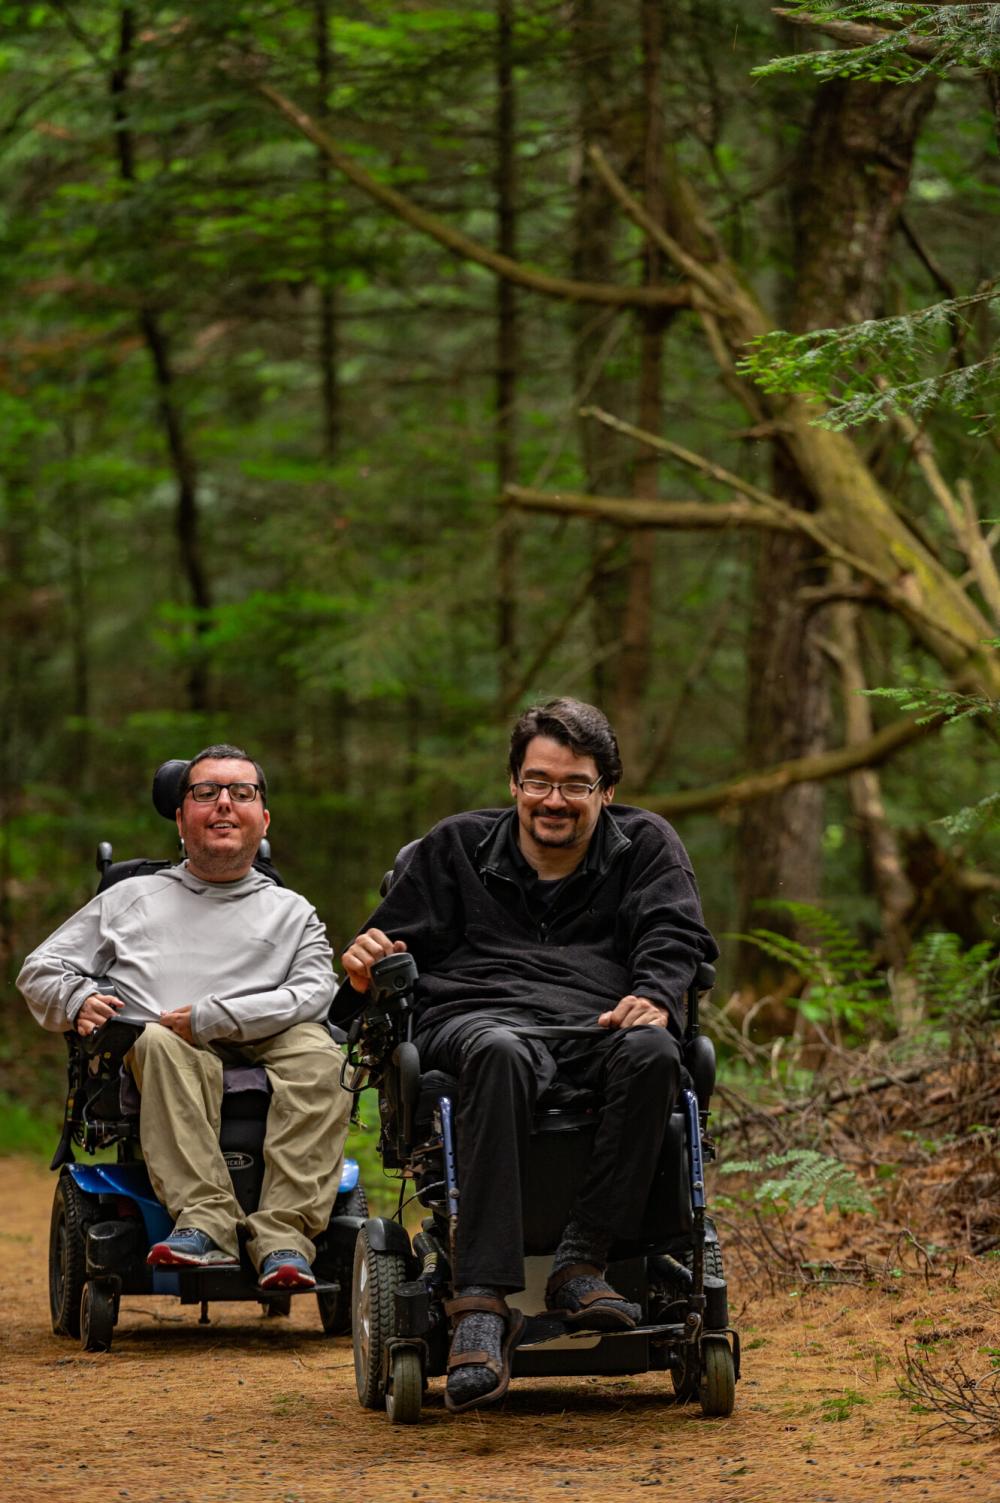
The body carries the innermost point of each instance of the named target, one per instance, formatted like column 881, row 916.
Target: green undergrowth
column 24, row 1131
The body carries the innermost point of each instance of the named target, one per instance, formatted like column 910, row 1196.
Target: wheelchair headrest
column 167, row 789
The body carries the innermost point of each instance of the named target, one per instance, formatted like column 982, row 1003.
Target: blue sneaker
column 186, row 1247
column 285, row 1270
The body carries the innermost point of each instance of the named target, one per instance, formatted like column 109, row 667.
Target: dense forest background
column 330, row 332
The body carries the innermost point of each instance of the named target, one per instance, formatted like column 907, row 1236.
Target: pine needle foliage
column 863, row 372
column 866, row 371
column 951, row 706
column 807, row 1178
column 909, row 41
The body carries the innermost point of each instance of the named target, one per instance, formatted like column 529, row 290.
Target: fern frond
column 809, row 1179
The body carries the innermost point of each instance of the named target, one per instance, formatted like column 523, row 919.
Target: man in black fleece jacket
column 560, row 910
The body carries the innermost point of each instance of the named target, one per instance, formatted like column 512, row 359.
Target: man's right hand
column 360, row 956
column 97, row 1009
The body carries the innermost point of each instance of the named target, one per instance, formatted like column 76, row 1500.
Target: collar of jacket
column 493, row 856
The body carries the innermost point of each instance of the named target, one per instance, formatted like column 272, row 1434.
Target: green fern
column 843, row 985
column 809, row 1179
column 949, row 979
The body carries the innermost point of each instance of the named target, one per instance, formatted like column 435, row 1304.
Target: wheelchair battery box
column 716, row 1304
column 413, row 1309
column 112, row 1244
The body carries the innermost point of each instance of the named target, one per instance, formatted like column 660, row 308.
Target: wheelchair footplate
column 550, row 1348
column 198, row 1286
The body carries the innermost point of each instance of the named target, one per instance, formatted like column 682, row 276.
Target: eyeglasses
column 208, row 793
column 573, row 791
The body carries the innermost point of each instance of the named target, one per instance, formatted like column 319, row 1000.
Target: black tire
column 355, row 1203
column 377, row 1275
column 335, row 1309
column 713, row 1261
column 67, row 1255
column 97, row 1318
column 687, row 1381
column 405, row 1392
column 717, row 1386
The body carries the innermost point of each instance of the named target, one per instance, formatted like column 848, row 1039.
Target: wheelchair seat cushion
column 246, row 1093
column 560, row 1096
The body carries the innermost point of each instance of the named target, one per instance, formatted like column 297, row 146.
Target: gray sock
column 581, row 1243
column 479, row 1331
column 587, row 1244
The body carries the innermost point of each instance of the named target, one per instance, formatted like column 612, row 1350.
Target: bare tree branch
column 626, row 511
column 831, row 764
column 855, row 34
column 463, row 245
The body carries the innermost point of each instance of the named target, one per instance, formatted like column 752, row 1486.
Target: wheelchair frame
column 400, row 1329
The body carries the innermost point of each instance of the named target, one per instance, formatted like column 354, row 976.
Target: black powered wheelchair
column 106, row 1217
column 674, row 1272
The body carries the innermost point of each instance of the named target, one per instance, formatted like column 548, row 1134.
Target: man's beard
column 223, row 863
column 541, row 837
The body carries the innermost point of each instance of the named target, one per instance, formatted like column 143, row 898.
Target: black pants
column 636, row 1072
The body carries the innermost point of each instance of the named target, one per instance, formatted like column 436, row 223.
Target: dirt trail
column 248, row 1409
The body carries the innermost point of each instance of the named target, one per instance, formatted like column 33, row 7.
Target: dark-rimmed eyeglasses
column 208, row 793
column 573, row 791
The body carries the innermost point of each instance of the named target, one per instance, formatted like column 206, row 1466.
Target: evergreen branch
column 892, row 43
column 867, row 369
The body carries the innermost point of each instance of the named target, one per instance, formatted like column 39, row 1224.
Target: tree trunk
column 328, row 332
column 633, row 669
column 602, row 96
column 508, row 530
column 846, row 197
column 186, row 516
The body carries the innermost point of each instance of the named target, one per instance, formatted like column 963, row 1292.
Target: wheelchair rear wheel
column 67, row 1256
column 377, row 1275
column 335, row 1309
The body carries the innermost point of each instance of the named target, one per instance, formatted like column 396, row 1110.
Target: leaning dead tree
column 852, row 522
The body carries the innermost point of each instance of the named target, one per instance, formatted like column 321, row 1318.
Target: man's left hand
column 179, row 1022
column 634, row 1012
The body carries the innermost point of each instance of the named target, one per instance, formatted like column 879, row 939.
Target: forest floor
column 247, row 1408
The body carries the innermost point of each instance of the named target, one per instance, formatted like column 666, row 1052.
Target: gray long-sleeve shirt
column 250, row 958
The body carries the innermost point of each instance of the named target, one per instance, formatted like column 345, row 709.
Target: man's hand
column 98, row 1008
column 360, row 956
column 634, row 1012
column 179, row 1022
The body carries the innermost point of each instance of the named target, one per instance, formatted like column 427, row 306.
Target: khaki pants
column 179, row 1118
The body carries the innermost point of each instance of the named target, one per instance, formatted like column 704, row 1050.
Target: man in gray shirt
column 221, row 965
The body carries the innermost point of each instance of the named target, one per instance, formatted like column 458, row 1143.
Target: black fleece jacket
column 627, row 920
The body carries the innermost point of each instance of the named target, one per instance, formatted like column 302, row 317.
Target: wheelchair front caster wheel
column 405, row 1390
column 717, row 1387
column 97, row 1318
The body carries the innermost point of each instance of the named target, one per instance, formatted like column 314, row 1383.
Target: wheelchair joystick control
column 393, row 976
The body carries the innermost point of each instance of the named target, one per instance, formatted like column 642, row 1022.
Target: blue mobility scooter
column 674, row 1271
column 105, row 1216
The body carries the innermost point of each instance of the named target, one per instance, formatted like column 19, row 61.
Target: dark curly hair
column 582, row 727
